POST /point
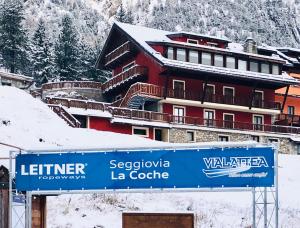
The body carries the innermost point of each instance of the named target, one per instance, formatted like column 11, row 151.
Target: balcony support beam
column 284, row 99
column 204, row 90
column 252, row 95
column 166, row 85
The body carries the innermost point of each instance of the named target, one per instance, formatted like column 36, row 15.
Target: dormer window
column 193, row 56
column 219, row 62
column 181, row 54
column 275, row 69
column 253, row 66
column 265, row 68
column 212, row 44
column 170, row 53
column 206, row 58
column 192, row 41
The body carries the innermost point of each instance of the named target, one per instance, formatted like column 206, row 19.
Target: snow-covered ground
column 28, row 123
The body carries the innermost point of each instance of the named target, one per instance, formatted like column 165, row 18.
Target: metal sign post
column 153, row 170
column 265, row 205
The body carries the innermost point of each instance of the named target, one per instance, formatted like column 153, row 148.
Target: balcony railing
column 74, row 103
column 171, row 119
column 72, row 84
column 222, row 99
column 142, row 89
column 287, row 119
column 118, row 52
column 131, row 73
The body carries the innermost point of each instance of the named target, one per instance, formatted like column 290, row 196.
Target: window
column 158, row 134
column 255, row 138
column 178, row 113
column 6, row 83
column 242, row 64
column 228, row 119
column 179, row 88
column 193, row 56
column 273, row 140
column 212, row 44
column 257, row 122
column 230, row 62
column 128, row 66
column 291, row 110
column 140, row 131
column 253, row 66
column 258, row 99
column 275, row 69
column 265, row 68
column 219, row 61
column 228, row 93
column 118, row 97
column 210, row 92
column 181, row 54
column 190, row 136
column 206, row 58
column 209, row 116
column 191, row 41
column 170, row 53
column 223, row 138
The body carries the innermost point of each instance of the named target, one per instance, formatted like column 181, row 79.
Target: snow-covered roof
column 8, row 75
column 200, row 35
column 143, row 36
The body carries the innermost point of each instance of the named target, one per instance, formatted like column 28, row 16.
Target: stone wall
column 176, row 135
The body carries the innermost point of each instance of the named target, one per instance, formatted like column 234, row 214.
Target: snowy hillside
column 272, row 22
column 28, row 123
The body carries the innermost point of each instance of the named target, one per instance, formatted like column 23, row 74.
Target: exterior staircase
column 139, row 93
column 66, row 116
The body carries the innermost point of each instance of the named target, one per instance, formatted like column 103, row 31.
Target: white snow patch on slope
column 26, row 120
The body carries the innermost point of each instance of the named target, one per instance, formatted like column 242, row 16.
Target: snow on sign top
column 144, row 35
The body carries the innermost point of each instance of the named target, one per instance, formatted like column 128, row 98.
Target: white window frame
column 193, row 40
column 128, row 65
column 210, row 85
column 228, row 87
column 262, row 92
column 229, row 114
column 194, row 132
column 178, row 106
column 212, row 44
column 184, row 112
column 288, row 109
column 175, row 80
column 263, row 121
column 222, row 135
column 141, row 128
column 210, row 110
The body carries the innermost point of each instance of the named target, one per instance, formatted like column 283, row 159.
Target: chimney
column 250, row 46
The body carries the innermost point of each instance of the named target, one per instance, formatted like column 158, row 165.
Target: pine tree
column 42, row 60
column 66, row 52
column 13, row 38
column 124, row 16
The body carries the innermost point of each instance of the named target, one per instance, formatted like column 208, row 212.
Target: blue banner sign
column 182, row 168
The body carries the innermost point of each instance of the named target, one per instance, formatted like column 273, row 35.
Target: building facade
column 186, row 87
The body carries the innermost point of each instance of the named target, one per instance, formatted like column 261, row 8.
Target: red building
column 186, row 87
column 190, row 77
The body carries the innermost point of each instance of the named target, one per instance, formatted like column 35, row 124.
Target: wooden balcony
column 135, row 72
column 288, row 120
column 138, row 93
column 222, row 99
column 171, row 119
column 119, row 54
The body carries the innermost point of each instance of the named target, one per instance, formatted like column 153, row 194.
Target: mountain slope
column 274, row 22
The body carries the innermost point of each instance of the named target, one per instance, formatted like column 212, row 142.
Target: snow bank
column 28, row 123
